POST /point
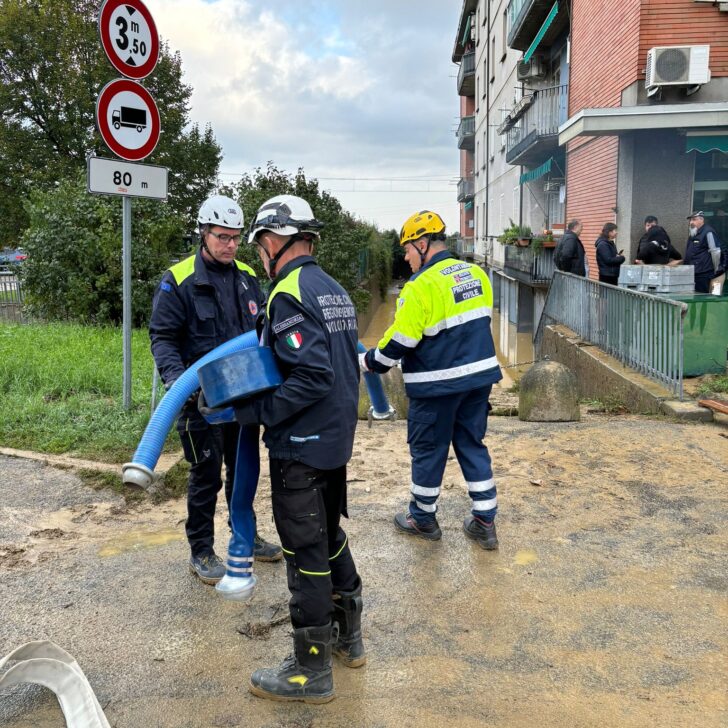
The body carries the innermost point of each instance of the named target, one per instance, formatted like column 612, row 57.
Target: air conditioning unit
column 552, row 185
column 677, row 66
column 534, row 68
column 473, row 32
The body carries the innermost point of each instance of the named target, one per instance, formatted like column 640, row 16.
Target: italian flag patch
column 294, row 340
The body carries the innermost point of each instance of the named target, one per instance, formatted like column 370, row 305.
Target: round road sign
column 129, row 37
column 128, row 119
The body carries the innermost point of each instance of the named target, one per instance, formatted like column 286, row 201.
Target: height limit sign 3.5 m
column 129, row 37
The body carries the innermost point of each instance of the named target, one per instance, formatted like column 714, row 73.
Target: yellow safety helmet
column 419, row 224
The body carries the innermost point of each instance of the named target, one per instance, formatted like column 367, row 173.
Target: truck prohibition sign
column 128, row 119
column 128, row 116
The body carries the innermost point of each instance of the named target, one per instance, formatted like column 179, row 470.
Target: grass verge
column 61, row 389
column 717, row 384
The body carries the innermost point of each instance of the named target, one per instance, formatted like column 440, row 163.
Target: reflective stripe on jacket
column 189, row 318
column 441, row 330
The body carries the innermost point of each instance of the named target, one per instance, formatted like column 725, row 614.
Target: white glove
column 363, row 363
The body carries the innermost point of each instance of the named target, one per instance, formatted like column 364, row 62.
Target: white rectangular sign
column 114, row 177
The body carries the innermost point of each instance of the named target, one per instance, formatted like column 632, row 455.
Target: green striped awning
column 466, row 32
column 545, row 168
column 541, row 33
column 707, row 143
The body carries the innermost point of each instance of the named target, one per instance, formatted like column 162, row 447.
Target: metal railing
column 466, row 133
column 467, row 68
column 541, row 119
column 642, row 331
column 11, row 297
column 537, row 264
column 514, row 12
column 466, row 189
column 466, row 246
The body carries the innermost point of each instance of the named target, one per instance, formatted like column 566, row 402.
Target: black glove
column 247, row 411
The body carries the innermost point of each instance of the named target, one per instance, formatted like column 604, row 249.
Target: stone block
column 548, row 393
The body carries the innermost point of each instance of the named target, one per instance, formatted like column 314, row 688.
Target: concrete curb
column 601, row 376
column 166, row 461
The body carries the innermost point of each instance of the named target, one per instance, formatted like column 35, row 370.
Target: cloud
column 341, row 88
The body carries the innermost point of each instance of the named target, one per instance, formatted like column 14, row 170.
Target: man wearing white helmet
column 309, row 430
column 200, row 303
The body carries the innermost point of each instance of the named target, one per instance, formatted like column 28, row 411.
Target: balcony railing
column 466, row 246
column 466, row 189
column 466, row 133
column 537, row 130
column 526, row 17
column 536, row 267
column 466, row 75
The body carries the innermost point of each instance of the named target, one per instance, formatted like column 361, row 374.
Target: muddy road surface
column 605, row 605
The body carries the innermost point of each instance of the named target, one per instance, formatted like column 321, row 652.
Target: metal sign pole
column 126, row 297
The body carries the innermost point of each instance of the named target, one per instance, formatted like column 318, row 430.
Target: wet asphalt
column 605, row 605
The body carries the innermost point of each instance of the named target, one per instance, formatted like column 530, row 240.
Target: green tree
column 52, row 68
column 73, row 270
column 344, row 240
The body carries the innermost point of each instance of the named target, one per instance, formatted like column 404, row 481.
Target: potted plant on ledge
column 519, row 235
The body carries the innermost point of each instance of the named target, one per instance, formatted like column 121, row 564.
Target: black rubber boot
column 349, row 647
column 305, row 675
column 482, row 532
column 406, row 523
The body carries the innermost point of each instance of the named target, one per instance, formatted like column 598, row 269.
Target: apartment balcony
column 528, row 19
column 535, row 135
column 466, row 247
column 466, row 133
column 466, row 75
column 466, row 189
column 536, row 268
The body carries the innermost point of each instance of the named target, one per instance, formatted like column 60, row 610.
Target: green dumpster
column 706, row 333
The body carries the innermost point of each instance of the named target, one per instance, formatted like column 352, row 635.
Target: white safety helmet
column 222, row 211
column 284, row 215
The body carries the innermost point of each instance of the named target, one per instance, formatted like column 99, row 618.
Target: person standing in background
column 608, row 259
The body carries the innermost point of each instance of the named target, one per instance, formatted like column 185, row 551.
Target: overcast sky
column 362, row 90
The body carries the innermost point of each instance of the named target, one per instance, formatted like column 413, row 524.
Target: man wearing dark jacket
column 705, row 252
column 655, row 247
column 569, row 255
column 201, row 303
column 309, row 430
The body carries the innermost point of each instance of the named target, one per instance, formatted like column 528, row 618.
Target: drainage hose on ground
column 380, row 409
column 140, row 471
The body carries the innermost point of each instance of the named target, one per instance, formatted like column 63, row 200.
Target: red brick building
column 630, row 153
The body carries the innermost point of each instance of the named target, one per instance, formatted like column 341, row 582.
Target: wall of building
column 591, row 194
column 655, row 178
column 684, row 22
column 602, row 64
column 503, row 196
column 604, row 51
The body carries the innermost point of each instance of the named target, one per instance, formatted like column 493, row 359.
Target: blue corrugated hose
column 139, row 470
column 376, row 391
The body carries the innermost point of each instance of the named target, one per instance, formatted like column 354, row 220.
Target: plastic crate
column 630, row 276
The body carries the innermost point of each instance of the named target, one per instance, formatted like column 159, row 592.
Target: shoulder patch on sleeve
column 165, row 286
column 292, row 321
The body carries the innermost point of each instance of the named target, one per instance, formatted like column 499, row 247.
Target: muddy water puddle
column 138, row 540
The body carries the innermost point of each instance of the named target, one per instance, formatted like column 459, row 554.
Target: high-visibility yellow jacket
column 441, row 330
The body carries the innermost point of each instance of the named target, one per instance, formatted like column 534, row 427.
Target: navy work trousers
column 307, row 507
column 432, row 424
